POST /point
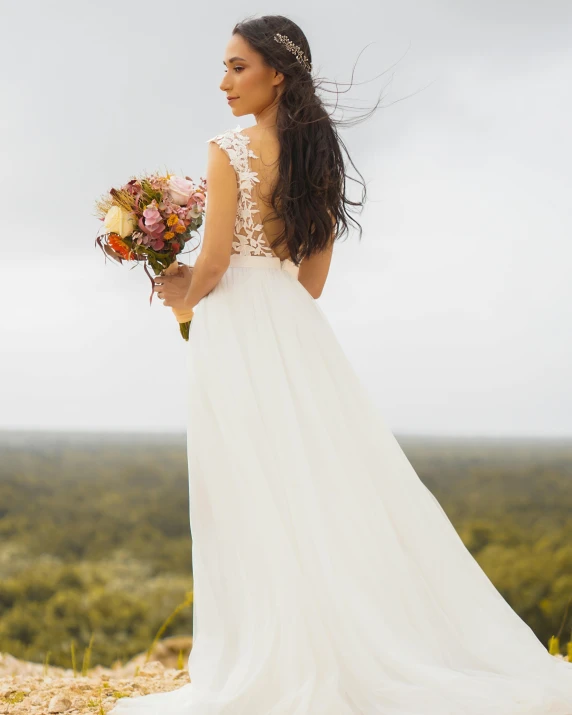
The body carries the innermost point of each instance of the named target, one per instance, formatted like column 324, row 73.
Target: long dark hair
column 310, row 193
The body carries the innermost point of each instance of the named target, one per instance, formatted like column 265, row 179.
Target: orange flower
column 172, row 219
column 119, row 245
column 179, row 228
column 168, row 235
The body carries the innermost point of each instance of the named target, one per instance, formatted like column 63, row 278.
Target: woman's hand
column 173, row 289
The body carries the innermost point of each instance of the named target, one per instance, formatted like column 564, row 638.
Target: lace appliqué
column 248, row 232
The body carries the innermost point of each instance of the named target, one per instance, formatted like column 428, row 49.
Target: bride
column 328, row 580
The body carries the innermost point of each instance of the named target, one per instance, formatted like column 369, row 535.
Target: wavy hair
column 310, row 193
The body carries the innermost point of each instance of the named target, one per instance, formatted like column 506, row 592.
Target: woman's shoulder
column 234, row 143
column 229, row 135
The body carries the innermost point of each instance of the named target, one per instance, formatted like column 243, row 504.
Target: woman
column 328, row 580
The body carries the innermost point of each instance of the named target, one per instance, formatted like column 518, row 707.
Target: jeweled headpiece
column 295, row 49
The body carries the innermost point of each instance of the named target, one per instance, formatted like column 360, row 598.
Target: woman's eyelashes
column 235, row 68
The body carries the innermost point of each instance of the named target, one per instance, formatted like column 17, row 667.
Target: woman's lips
column 231, row 99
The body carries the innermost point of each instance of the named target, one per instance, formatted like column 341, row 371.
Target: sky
column 455, row 305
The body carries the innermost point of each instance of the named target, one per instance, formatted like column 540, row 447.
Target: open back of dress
column 252, row 185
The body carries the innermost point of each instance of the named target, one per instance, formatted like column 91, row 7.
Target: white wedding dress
column 328, row 580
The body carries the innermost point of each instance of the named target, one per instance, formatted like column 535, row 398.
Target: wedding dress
column 328, row 580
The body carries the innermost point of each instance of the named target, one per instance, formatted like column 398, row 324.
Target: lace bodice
column 248, row 233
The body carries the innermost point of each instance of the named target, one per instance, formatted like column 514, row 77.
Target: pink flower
column 180, row 189
column 141, row 238
column 199, row 198
column 132, row 187
column 152, row 222
column 152, row 215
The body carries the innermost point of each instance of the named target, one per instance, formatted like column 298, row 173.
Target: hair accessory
column 295, row 49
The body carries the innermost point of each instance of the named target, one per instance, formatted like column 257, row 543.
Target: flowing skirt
column 328, row 580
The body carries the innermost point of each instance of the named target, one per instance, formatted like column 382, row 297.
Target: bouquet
column 150, row 219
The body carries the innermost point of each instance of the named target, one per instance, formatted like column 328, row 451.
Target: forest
column 95, row 540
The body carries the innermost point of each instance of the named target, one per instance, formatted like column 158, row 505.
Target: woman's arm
column 206, row 275
column 222, row 197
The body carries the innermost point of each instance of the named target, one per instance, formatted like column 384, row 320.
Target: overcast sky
column 455, row 307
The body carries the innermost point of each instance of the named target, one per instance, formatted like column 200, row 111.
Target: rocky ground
column 33, row 689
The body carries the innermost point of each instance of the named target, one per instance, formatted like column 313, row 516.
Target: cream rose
column 120, row 221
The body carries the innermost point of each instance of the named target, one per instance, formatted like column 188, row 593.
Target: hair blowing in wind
column 310, row 194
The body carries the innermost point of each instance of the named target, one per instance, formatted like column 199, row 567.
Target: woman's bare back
column 266, row 147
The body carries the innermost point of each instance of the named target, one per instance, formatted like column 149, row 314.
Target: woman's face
column 246, row 77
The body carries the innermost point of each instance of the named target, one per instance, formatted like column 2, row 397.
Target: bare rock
column 33, row 689
column 59, row 704
column 152, row 669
